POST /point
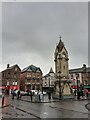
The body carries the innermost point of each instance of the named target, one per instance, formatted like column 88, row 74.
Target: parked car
column 21, row 92
column 0, row 93
column 34, row 92
column 40, row 92
column 44, row 92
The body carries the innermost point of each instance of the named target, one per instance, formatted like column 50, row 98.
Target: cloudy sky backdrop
column 30, row 32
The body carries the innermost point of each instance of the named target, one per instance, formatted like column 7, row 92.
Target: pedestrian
column 49, row 96
column 39, row 97
column 86, row 93
column 31, row 94
column 81, row 93
column 18, row 94
column 75, row 91
column 27, row 92
column 13, row 94
column 78, row 94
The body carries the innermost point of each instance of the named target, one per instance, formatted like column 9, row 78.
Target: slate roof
column 79, row 70
column 60, row 46
column 51, row 70
column 11, row 67
column 47, row 75
column 31, row 68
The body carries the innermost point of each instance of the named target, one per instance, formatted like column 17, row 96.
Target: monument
column 62, row 83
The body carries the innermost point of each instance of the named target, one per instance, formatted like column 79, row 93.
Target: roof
column 79, row 70
column 31, row 68
column 9, row 68
column 47, row 75
column 51, row 70
column 60, row 45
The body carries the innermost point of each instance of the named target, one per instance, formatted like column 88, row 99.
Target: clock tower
column 61, row 60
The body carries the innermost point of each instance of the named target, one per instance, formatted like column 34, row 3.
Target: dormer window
column 63, row 55
column 15, row 68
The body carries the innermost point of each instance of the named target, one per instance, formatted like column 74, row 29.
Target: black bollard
column 2, row 100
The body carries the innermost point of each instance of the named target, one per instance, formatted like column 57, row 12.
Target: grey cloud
column 33, row 29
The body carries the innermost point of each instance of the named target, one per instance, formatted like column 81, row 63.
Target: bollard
column 2, row 100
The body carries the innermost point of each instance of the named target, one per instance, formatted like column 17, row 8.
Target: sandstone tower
column 62, row 84
column 61, row 60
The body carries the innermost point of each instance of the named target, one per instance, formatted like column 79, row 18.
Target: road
column 63, row 109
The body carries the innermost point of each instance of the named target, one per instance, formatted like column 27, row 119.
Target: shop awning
column 86, row 86
column 74, row 86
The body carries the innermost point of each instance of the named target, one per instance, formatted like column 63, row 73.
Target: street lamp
column 77, row 81
column 84, row 73
column 49, row 93
column 49, row 83
column 60, row 90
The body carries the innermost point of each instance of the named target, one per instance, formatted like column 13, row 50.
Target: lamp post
column 49, row 83
column 49, row 94
column 77, row 81
column 60, row 90
column 84, row 73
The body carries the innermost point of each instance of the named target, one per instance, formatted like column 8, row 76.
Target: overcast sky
column 30, row 32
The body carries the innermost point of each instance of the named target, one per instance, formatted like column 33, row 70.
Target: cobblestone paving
column 63, row 109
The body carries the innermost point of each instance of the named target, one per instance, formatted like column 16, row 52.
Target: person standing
column 49, row 95
column 87, row 94
column 39, row 97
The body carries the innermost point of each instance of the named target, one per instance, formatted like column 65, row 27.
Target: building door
column 28, row 87
column 33, row 87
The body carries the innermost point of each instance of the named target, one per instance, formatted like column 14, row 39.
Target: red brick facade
column 31, row 79
column 11, row 77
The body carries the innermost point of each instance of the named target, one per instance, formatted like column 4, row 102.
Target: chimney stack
column 8, row 65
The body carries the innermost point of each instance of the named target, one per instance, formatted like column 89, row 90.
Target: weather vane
column 60, row 37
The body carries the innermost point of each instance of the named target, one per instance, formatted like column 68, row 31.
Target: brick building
column 80, row 76
column 11, row 77
column 31, row 78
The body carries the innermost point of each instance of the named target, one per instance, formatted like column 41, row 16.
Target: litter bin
column 37, row 98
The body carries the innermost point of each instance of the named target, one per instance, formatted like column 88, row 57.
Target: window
column 71, row 76
column 28, row 74
column 7, row 83
column 64, row 67
column 77, row 75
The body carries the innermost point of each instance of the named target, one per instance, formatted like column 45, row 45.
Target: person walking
column 13, row 94
column 18, row 94
column 86, row 93
column 78, row 94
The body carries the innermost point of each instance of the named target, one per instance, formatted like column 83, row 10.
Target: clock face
column 63, row 55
